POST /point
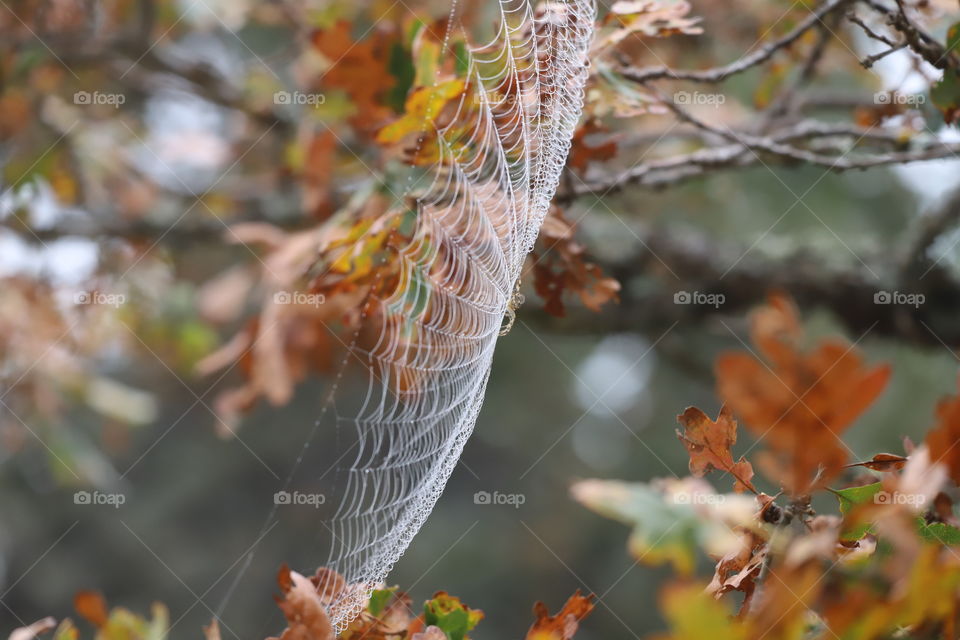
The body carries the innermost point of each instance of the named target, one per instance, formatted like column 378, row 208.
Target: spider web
column 497, row 154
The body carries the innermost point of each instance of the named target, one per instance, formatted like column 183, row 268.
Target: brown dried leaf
column 303, row 608
column 882, row 462
column 561, row 265
column 564, row 625
column 708, row 442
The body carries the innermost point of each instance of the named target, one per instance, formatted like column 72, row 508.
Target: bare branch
column 757, row 57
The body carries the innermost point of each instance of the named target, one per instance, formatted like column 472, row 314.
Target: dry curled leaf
column 708, row 442
column 882, row 462
column 564, row 625
column 739, row 569
column 304, row 609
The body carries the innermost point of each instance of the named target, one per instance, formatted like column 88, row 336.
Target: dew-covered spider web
column 487, row 165
column 484, row 166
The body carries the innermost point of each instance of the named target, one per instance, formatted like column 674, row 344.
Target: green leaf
column 852, row 497
column 946, row 93
column 938, row 532
column 450, row 616
column 400, row 66
column 667, row 528
column 855, row 496
column 379, row 599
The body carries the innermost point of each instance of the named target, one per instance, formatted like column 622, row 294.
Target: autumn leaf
column 422, row 108
column 693, row 614
column 739, row 570
column 583, row 152
column 789, row 594
column 447, row 613
column 92, row 607
column 708, row 442
column 797, row 403
column 565, row 623
column 650, row 18
column 118, row 623
column 560, row 265
column 303, row 608
column 946, row 93
column 943, row 441
column 672, row 519
column 882, row 462
column 360, row 68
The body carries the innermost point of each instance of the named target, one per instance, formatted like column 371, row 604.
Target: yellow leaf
column 422, row 108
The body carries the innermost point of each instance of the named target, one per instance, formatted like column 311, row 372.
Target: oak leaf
column 565, row 623
column 708, row 442
column 560, row 265
column 797, row 403
column 304, row 609
column 943, row 441
column 360, row 69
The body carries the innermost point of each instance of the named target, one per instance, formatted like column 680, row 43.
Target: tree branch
column 759, row 56
column 697, row 263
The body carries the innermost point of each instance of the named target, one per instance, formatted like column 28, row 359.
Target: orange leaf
column 798, row 403
column 563, row 625
column 304, row 609
column 882, row 462
column 360, row 68
column 583, row 153
column 944, row 440
column 92, row 607
column 708, row 442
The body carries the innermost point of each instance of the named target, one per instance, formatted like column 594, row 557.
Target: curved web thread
column 499, row 151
